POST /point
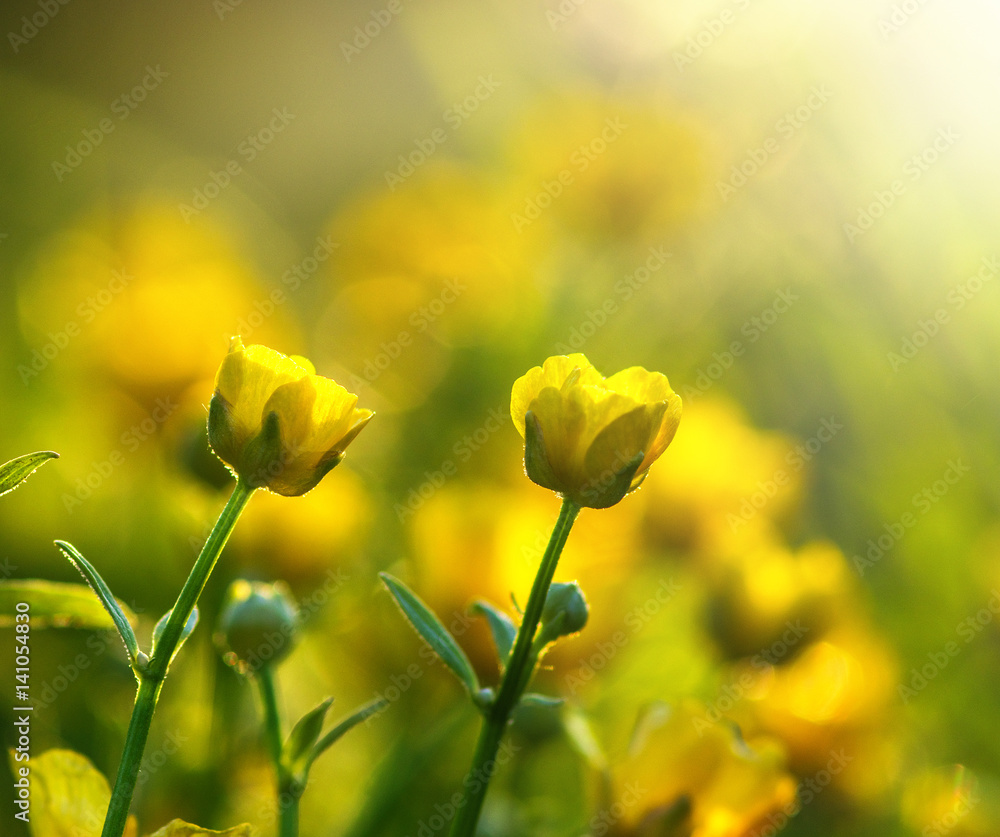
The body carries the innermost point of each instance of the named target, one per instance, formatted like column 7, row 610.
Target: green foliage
column 15, row 472
column 433, row 632
column 103, row 592
column 58, row 604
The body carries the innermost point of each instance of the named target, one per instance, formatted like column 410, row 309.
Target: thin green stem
column 151, row 675
column 272, row 717
column 515, row 680
column 288, row 789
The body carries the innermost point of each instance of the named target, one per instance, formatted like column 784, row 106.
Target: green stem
column 288, row 790
column 515, row 680
column 272, row 717
column 152, row 675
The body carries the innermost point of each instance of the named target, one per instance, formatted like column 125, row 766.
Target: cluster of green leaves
column 503, row 629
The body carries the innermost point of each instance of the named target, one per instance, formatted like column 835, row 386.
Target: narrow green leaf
column 103, row 592
column 535, row 699
column 297, row 752
column 13, row 473
column 501, row 626
column 56, row 604
column 431, row 629
column 159, row 627
column 333, row 736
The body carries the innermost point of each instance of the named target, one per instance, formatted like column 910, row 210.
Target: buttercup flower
column 276, row 423
column 590, row 438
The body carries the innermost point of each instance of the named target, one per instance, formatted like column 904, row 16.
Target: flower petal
column 246, row 379
column 554, row 372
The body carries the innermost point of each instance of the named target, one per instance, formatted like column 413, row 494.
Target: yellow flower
column 690, row 777
column 276, row 423
column 590, row 438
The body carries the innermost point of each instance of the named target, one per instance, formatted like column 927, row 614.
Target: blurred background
column 790, row 208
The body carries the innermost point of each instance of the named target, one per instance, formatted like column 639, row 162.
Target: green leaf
column 13, row 473
column 69, row 796
column 56, row 604
column 535, row 699
column 501, row 626
column 333, row 736
column 111, row 605
column 297, row 752
column 581, row 735
column 431, row 629
column 161, row 625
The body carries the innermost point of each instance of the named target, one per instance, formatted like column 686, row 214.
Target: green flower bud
column 257, row 626
column 565, row 612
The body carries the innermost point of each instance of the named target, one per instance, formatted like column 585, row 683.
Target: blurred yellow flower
column 728, row 478
column 725, row 786
column 608, row 166
column 276, row 423
column 589, row 438
column 111, row 292
column 303, row 542
column 835, row 696
column 447, row 232
column 948, row 800
column 767, row 591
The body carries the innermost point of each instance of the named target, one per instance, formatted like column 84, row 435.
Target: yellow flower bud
column 276, row 423
column 590, row 438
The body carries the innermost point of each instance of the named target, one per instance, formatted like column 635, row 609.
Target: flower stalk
column 152, row 673
column 289, row 791
column 517, row 675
